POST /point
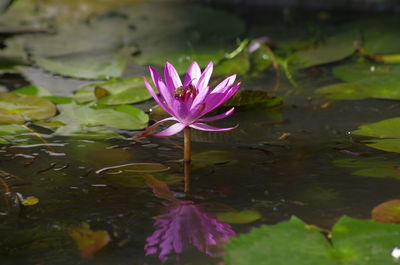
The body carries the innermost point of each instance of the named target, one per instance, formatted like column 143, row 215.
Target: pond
column 318, row 135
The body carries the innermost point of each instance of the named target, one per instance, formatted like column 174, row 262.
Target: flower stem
column 186, row 147
column 186, row 158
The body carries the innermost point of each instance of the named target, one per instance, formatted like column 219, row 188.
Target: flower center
column 184, row 93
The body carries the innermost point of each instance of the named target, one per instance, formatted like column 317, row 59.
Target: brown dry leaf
column 387, row 212
column 326, row 104
column 89, row 241
column 284, row 136
column 160, row 189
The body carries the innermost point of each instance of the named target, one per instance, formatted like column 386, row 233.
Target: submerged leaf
column 239, row 217
column 253, row 98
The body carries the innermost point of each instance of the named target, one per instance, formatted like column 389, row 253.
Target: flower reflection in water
column 187, row 224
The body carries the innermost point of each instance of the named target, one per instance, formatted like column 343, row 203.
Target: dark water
column 277, row 178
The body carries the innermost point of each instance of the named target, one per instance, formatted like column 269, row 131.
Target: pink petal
column 152, row 127
column 205, row 77
column 193, row 74
column 181, row 110
column 205, row 127
column 215, row 100
column 218, row 117
column 171, row 77
column 171, row 130
column 199, row 99
column 154, row 95
column 162, row 88
column 223, row 85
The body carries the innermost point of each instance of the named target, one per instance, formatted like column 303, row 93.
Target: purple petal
column 171, row 77
column 205, row 77
column 205, row 127
column 173, row 129
column 218, row 117
column 154, row 95
column 162, row 88
column 193, row 74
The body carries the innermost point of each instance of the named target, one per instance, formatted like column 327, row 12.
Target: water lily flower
column 187, row 224
column 189, row 101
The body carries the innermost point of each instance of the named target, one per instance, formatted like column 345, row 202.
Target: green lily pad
column 130, row 90
column 334, row 48
column 382, row 37
column 387, row 130
column 32, row 90
column 294, row 242
column 91, row 51
column 364, row 81
column 253, row 98
column 387, row 212
column 17, row 108
column 371, row 166
column 82, row 118
column 239, row 217
column 285, row 243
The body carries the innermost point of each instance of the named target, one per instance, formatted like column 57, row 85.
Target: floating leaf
column 381, row 36
column 371, row 166
column 253, row 98
column 282, row 244
column 89, row 241
column 17, row 108
column 94, row 50
column 239, row 217
column 134, row 167
column 294, row 242
column 387, row 212
column 161, row 37
column 130, row 90
column 365, row 81
column 334, row 48
column 121, row 117
column 32, row 90
column 388, row 129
